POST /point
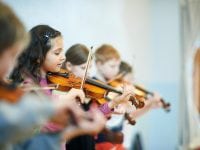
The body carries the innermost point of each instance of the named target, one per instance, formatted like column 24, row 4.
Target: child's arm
column 108, row 107
column 127, row 92
column 17, row 120
column 61, row 100
column 105, row 109
column 151, row 103
column 88, row 123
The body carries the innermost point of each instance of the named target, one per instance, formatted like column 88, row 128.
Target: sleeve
column 105, row 109
column 42, row 141
column 18, row 120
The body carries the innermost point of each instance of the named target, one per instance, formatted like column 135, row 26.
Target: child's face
column 109, row 69
column 8, row 60
column 78, row 70
column 55, row 56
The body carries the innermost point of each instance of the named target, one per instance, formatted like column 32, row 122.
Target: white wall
column 146, row 33
column 123, row 23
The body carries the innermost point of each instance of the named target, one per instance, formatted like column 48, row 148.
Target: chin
column 110, row 77
column 56, row 70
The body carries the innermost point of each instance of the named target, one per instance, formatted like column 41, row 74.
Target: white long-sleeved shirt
column 18, row 120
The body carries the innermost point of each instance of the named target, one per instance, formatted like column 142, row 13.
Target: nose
column 62, row 57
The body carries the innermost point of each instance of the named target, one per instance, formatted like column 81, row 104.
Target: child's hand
column 128, row 90
column 66, row 102
column 75, row 95
column 124, row 107
column 61, row 116
column 154, row 101
column 91, row 122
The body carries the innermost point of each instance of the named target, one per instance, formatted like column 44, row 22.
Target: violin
column 136, row 100
column 141, row 93
column 10, row 93
column 94, row 89
column 165, row 105
column 13, row 93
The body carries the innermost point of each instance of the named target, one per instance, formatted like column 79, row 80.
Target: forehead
column 83, row 65
column 113, row 61
column 57, row 42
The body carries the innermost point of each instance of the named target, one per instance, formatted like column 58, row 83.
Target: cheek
column 115, row 70
column 49, row 66
column 107, row 72
column 112, row 73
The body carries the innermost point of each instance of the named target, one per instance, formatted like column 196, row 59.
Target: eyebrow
column 58, row 49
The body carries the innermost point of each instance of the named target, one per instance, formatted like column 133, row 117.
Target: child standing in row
column 45, row 54
column 17, row 120
column 108, row 64
column 76, row 59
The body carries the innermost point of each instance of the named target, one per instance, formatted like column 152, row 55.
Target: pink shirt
column 49, row 126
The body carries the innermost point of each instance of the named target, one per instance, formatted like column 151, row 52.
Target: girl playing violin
column 18, row 119
column 76, row 61
column 45, row 54
column 126, row 75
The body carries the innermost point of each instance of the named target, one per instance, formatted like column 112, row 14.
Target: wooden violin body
column 136, row 99
column 141, row 93
column 93, row 89
column 10, row 93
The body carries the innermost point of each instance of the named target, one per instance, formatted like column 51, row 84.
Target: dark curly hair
column 33, row 57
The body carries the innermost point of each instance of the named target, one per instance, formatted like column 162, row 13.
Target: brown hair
column 125, row 68
column 105, row 53
column 77, row 54
column 11, row 29
column 196, row 79
column 34, row 55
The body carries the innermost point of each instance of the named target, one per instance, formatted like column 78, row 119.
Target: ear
column 68, row 66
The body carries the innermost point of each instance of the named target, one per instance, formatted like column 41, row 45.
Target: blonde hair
column 105, row 53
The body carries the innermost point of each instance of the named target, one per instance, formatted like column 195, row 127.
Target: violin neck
column 64, row 74
column 104, row 86
column 143, row 90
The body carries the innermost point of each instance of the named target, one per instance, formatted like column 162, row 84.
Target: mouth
column 59, row 65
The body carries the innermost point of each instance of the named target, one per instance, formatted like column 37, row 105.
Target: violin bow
column 87, row 66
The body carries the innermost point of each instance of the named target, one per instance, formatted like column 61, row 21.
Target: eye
column 83, row 68
column 57, row 53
